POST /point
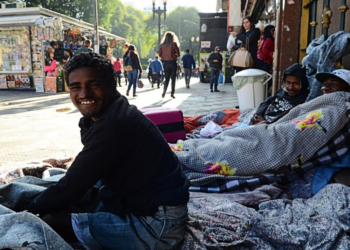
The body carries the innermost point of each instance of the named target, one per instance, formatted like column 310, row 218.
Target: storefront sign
column 205, row 44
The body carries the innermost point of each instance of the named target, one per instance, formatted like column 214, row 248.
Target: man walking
column 188, row 64
column 157, row 69
column 215, row 62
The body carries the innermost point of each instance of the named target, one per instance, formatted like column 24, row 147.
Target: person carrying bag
column 242, row 57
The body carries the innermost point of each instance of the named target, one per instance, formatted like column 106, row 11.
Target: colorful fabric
column 320, row 222
column 224, row 118
column 260, row 149
column 333, row 151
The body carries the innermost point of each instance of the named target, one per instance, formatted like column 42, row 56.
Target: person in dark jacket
column 188, row 64
column 215, row 63
column 140, row 191
column 157, row 70
column 294, row 91
column 133, row 75
column 253, row 35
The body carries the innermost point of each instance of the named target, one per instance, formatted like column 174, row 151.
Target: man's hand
column 257, row 119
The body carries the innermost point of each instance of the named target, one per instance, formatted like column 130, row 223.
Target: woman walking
column 169, row 52
column 136, row 68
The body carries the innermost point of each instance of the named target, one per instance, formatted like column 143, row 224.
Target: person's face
column 292, row 85
column 217, row 51
column 246, row 24
column 333, row 84
column 89, row 94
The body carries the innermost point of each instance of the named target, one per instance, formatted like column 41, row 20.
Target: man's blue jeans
column 214, row 77
column 101, row 230
column 188, row 76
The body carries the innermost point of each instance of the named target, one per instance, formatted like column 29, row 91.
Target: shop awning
column 9, row 21
column 27, row 16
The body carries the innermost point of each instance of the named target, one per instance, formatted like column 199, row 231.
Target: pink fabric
column 50, row 68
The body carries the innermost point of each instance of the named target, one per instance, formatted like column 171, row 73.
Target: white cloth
column 230, row 42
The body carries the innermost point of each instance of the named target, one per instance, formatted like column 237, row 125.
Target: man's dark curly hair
column 93, row 60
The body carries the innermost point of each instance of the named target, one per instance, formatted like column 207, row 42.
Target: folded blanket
column 245, row 153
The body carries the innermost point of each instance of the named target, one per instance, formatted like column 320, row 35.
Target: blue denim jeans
column 214, row 77
column 102, row 230
column 188, row 73
column 132, row 76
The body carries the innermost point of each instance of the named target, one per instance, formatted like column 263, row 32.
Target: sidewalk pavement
column 35, row 126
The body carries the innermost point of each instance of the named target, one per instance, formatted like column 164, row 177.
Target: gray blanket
column 321, row 57
column 248, row 152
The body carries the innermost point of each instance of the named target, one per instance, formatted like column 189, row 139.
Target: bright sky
column 203, row 6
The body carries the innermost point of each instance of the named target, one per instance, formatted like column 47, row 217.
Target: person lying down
column 244, row 153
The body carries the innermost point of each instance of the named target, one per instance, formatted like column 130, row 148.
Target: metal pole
column 159, row 14
column 96, row 38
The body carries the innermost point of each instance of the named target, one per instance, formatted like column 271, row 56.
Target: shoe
column 211, row 90
column 120, row 85
column 134, row 95
column 152, row 85
column 216, row 90
column 127, row 93
column 163, row 94
column 158, row 86
column 173, row 96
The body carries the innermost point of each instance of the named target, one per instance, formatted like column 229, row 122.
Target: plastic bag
column 210, row 129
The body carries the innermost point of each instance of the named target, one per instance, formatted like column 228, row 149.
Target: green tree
column 184, row 21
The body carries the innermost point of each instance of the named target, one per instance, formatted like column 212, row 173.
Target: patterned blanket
column 321, row 222
column 240, row 154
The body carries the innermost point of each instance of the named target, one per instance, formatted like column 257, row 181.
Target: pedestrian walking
column 201, row 70
column 118, row 70
column 215, row 63
column 133, row 75
column 169, row 52
column 157, row 70
column 188, row 64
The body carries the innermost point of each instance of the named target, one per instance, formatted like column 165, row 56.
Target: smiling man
column 142, row 192
column 294, row 92
column 337, row 80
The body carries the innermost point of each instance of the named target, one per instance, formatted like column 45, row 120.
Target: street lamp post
column 193, row 39
column 96, row 38
column 159, row 11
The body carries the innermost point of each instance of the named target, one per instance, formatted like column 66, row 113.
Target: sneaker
column 211, row 90
column 173, row 96
column 163, row 94
column 135, row 95
column 127, row 93
column 216, row 90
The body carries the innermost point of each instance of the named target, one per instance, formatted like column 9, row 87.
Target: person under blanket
column 337, row 80
column 294, row 92
column 142, row 192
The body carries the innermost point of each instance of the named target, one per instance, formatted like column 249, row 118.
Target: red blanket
column 224, row 118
